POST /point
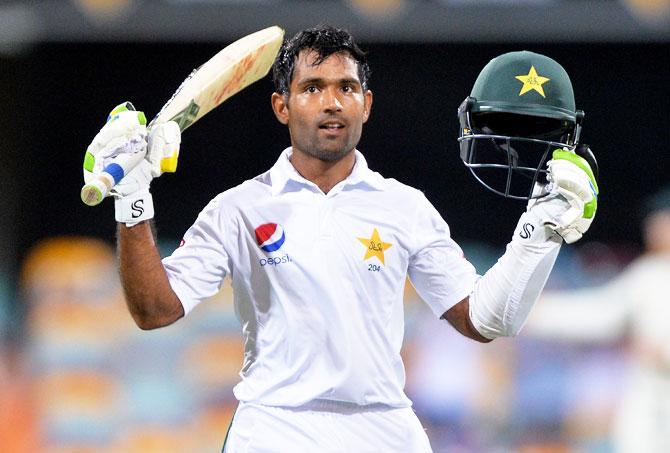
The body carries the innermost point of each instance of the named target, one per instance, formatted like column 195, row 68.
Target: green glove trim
column 590, row 207
column 125, row 107
column 89, row 161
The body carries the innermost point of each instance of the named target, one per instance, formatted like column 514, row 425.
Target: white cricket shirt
column 318, row 280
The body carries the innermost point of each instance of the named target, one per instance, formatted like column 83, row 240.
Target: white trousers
column 325, row 429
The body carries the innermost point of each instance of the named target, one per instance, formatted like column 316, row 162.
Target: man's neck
column 325, row 174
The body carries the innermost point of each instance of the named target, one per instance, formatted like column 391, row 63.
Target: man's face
column 326, row 106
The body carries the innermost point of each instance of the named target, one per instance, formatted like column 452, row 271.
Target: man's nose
column 331, row 101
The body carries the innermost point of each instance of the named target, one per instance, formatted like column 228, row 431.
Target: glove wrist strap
column 135, row 208
column 531, row 230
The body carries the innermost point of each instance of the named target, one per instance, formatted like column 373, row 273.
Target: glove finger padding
column 124, row 133
column 572, row 174
column 572, row 180
column 163, row 151
column 122, row 141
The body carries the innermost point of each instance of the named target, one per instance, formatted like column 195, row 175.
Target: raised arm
column 150, row 298
column 503, row 298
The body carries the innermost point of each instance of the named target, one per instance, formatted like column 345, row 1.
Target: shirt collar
column 284, row 176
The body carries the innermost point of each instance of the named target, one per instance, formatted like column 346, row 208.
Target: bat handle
column 98, row 188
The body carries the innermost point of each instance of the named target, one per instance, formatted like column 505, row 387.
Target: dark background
column 58, row 97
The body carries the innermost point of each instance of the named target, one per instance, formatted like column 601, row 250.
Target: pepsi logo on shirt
column 270, row 237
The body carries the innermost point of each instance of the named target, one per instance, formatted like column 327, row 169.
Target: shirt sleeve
column 437, row 268
column 197, row 268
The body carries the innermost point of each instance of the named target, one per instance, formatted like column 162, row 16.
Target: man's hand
column 572, row 202
column 125, row 136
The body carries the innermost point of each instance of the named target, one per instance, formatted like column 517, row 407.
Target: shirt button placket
column 325, row 225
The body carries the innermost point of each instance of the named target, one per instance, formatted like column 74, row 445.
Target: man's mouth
column 331, row 125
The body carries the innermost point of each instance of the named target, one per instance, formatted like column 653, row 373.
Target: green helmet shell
column 525, row 83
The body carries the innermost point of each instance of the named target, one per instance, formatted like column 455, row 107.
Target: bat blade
column 231, row 70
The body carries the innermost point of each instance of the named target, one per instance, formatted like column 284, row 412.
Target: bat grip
column 98, row 188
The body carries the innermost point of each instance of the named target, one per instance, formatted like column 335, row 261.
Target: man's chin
column 329, row 155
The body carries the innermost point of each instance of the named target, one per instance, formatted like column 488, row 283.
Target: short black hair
column 325, row 40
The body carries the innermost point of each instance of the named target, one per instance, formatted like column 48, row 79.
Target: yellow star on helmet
column 532, row 81
column 375, row 246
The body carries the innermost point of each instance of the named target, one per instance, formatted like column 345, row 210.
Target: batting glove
column 572, row 200
column 125, row 134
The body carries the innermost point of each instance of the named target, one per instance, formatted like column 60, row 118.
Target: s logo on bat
column 137, row 208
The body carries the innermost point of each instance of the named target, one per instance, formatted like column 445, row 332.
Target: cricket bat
column 228, row 72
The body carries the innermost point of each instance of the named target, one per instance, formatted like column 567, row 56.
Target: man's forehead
column 309, row 58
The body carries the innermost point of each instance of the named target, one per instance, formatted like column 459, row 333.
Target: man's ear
column 368, row 105
column 280, row 106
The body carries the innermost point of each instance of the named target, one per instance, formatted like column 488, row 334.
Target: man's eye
column 311, row 89
column 347, row 88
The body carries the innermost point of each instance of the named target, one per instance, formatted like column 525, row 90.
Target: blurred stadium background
column 77, row 376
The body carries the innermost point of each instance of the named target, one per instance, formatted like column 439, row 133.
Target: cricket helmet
column 521, row 108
